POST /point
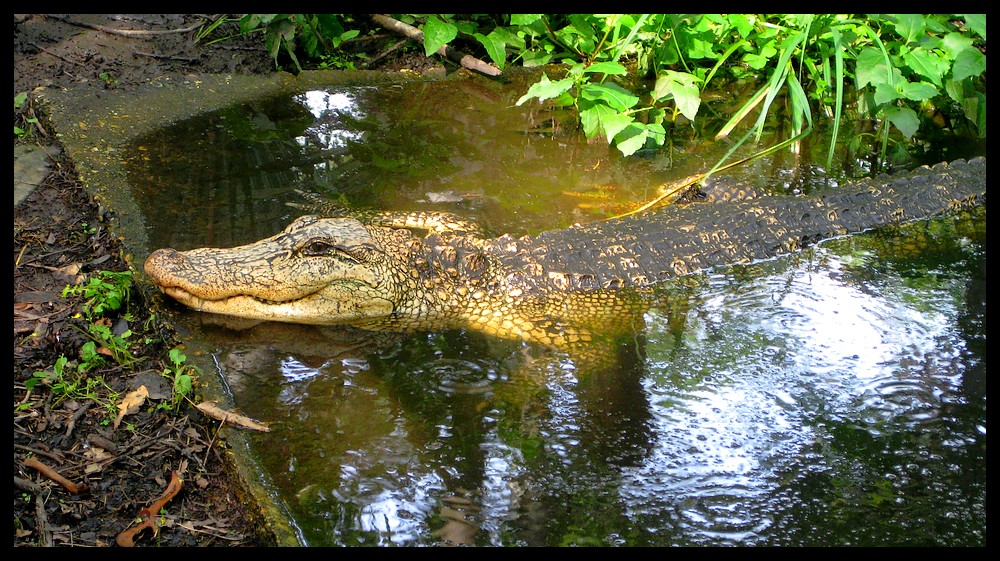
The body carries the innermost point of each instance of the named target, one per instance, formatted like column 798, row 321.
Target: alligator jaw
column 301, row 310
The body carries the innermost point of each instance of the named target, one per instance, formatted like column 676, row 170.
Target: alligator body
column 561, row 285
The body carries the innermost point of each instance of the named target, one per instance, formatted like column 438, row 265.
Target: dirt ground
column 110, row 475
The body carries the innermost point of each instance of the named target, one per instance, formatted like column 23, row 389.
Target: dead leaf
column 131, row 404
column 212, row 410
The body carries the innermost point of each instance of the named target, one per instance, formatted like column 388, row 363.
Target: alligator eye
column 316, row 248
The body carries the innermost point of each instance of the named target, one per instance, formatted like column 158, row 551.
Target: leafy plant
column 20, row 101
column 316, row 34
column 105, row 291
column 69, row 380
column 182, row 376
column 893, row 69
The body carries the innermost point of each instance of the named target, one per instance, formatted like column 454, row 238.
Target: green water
column 836, row 397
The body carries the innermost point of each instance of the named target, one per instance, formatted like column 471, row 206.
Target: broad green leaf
column 600, row 118
column 683, row 88
column 524, row 19
column 742, row 24
column 634, row 137
column 910, row 26
column 535, row 57
column 955, row 89
column 870, row 67
column 615, row 96
column 631, row 139
column 917, row 91
column 495, row 47
column 884, row 93
column 928, row 64
column 544, row 89
column 613, row 68
column 969, row 62
column 976, row 23
column 904, row 119
column 954, row 43
column 437, row 33
column 699, row 48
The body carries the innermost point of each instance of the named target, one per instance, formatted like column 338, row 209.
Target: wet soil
column 80, row 480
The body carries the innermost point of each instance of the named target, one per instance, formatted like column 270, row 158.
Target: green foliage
column 315, row 34
column 69, row 380
column 106, row 291
column 892, row 68
column 182, row 376
column 20, row 102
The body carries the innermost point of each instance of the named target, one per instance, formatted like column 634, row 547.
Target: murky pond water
column 834, row 397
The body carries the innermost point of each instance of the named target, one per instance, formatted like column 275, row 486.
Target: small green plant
column 182, row 376
column 108, row 78
column 19, row 102
column 68, row 380
column 106, row 291
column 115, row 344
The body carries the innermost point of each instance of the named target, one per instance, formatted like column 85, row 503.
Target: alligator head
column 316, row 271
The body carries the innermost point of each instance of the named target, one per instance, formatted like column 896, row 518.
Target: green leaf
column 954, row 43
column 976, row 23
column 870, row 67
column 544, row 89
column 524, row 19
column 910, row 26
column 904, row 119
column 918, row 91
column 615, row 96
column 613, row 68
column 437, row 33
column 884, row 93
column 969, row 62
column 536, row 57
column 682, row 88
column 495, row 47
column 928, row 64
column 635, row 136
column 601, row 119
column 631, row 139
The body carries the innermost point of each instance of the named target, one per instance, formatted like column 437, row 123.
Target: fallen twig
column 126, row 32
column 71, row 424
column 147, row 516
column 60, row 57
column 52, row 474
column 385, row 53
column 468, row 61
column 212, row 410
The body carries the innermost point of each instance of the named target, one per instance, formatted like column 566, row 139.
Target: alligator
column 431, row 272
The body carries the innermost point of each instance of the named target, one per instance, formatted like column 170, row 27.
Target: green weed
column 20, row 102
column 182, row 376
column 892, row 68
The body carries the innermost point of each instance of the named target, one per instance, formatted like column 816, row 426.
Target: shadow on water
column 833, row 397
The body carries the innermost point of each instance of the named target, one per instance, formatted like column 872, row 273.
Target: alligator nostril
column 162, row 260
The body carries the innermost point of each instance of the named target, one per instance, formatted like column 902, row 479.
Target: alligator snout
column 161, row 263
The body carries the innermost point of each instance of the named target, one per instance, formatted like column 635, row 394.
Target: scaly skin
column 561, row 286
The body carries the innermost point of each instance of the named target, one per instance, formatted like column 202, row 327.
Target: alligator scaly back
column 640, row 250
